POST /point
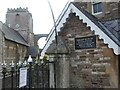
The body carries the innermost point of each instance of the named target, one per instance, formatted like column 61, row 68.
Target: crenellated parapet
column 17, row 10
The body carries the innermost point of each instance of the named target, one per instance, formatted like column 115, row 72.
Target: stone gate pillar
column 63, row 73
column 51, row 71
column 59, row 71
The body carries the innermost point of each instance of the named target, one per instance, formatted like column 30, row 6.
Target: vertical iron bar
column 3, row 81
column 16, row 76
column 30, row 76
column 55, row 74
column 37, row 75
column 12, row 71
column 48, row 75
column 42, row 77
column 12, row 81
column 3, row 72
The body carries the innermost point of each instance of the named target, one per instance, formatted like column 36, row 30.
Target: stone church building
column 17, row 39
column 86, row 52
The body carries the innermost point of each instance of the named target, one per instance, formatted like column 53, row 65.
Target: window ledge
column 97, row 13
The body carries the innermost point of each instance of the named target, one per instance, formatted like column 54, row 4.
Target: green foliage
column 44, row 59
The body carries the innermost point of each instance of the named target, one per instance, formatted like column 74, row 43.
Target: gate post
column 64, row 66
column 51, row 72
column 59, row 70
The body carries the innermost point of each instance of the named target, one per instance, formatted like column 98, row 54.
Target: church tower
column 21, row 20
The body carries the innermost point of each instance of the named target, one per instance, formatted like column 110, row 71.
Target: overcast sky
column 42, row 18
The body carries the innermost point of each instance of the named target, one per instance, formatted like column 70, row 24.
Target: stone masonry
column 88, row 68
column 110, row 10
column 20, row 19
column 1, row 53
column 1, row 44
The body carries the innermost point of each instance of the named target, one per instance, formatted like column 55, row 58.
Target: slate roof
column 111, row 28
column 13, row 35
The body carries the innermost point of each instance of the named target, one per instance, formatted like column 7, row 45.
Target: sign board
column 23, row 77
column 85, row 42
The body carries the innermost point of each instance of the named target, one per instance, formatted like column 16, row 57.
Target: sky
column 40, row 10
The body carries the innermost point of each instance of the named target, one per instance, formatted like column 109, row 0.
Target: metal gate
column 37, row 75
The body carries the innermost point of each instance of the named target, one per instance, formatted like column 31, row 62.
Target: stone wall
column 62, row 71
column 1, row 34
column 0, row 58
column 1, row 47
column 1, row 55
column 14, row 51
column 88, row 68
column 110, row 10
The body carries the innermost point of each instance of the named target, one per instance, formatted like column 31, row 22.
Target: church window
column 6, row 51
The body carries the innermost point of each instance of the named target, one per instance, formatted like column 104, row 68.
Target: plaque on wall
column 85, row 42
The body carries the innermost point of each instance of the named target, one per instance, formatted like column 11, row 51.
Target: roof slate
column 13, row 35
column 113, row 26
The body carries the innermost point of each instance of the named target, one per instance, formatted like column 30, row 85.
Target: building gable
column 91, row 22
column 89, row 67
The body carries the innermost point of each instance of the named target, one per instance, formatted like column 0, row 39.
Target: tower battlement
column 17, row 10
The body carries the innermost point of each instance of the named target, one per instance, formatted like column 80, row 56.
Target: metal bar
column 55, row 74
column 54, row 22
column 17, row 77
column 48, row 75
column 12, row 71
column 37, row 74
column 12, row 81
column 3, row 81
column 42, row 77
column 30, row 76
column 55, row 28
column 3, row 72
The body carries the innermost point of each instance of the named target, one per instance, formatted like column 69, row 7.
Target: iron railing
column 37, row 75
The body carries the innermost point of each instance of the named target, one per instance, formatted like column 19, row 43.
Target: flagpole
column 55, row 42
column 54, row 23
